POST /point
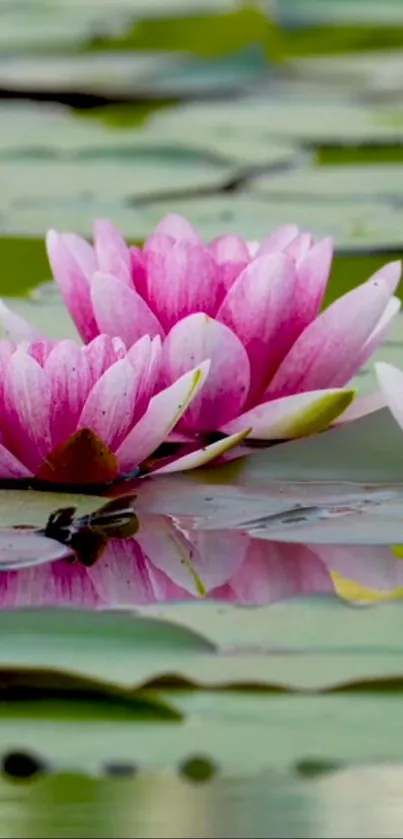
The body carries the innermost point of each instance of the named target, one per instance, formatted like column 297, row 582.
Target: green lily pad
column 241, row 734
column 379, row 183
column 341, row 38
column 375, row 73
column 86, row 183
column 223, row 31
column 112, row 648
column 233, row 145
column 359, row 225
column 351, row 657
column 27, row 507
column 302, row 118
column 206, row 643
column 130, row 75
column 68, row 24
column 110, row 74
column 345, row 11
column 369, row 450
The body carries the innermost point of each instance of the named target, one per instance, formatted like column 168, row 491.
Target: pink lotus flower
column 73, row 414
column 279, row 365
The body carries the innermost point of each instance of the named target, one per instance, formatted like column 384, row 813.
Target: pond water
column 221, row 653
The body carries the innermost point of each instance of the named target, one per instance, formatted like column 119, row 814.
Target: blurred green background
column 241, row 116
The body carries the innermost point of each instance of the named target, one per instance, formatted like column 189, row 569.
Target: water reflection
column 158, row 560
column 360, row 802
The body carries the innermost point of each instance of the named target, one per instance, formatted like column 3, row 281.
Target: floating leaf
column 355, row 182
column 29, row 508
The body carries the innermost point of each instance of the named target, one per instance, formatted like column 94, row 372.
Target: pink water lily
column 280, row 366
column 72, row 414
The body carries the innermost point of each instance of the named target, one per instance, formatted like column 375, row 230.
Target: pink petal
column 375, row 568
column 69, row 376
column 299, row 247
column 101, row 353
column 40, row 350
column 17, row 328
column 201, row 457
column 374, row 341
column 390, row 380
column 119, row 348
column 82, row 252
column 195, row 560
column 138, row 270
column 275, row 571
column 189, row 342
column 145, row 356
column 313, row 276
column 71, row 258
column 7, row 349
column 232, row 256
column 322, row 354
column 391, row 273
column 293, row 416
column 260, row 309
column 228, row 274
column 229, row 248
column 26, row 410
column 163, row 413
column 56, row 584
column 124, row 576
column 278, row 240
column 182, row 280
column 112, row 252
column 120, row 311
column 10, row 467
column 177, row 228
column 109, row 408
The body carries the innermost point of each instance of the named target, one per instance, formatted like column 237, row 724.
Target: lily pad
column 241, row 734
column 335, row 661
column 128, row 76
column 359, row 225
column 379, row 183
column 233, row 28
column 110, row 74
column 308, row 120
column 83, row 183
column 230, row 144
column 67, row 24
column 368, row 450
column 345, row 11
column 376, row 75
column 27, row 507
column 109, row 647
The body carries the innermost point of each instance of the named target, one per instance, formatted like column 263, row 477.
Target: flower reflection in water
column 163, row 562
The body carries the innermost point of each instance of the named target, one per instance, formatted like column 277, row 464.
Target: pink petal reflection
column 275, row 571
